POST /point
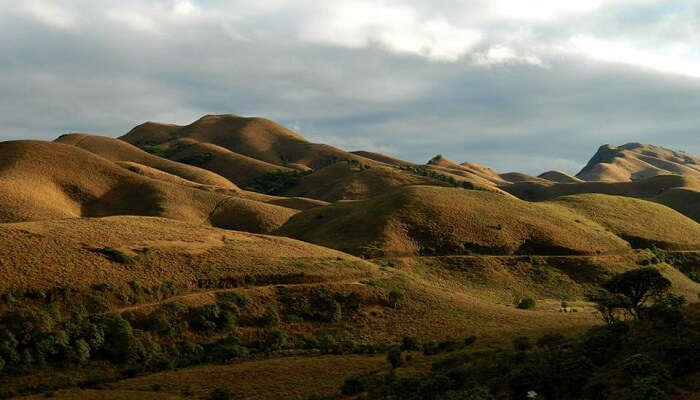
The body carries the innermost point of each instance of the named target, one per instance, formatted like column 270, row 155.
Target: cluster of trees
column 430, row 173
column 646, row 345
column 276, row 182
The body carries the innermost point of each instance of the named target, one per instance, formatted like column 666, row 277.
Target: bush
column 275, row 340
column 522, row 343
column 395, row 358
column 271, row 317
column 409, row 343
column 357, row 384
column 526, row 303
column 220, row 394
column 116, row 255
column 233, row 297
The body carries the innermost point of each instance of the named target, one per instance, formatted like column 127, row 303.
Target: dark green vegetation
column 644, row 353
column 68, row 329
column 276, row 182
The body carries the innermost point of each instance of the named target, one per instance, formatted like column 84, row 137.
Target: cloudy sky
column 514, row 84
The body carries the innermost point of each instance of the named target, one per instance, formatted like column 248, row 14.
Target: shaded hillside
column 117, row 150
column 635, row 161
column 559, row 177
column 515, row 177
column 344, row 180
column 386, row 159
column 431, row 220
column 235, row 167
column 45, row 180
column 678, row 192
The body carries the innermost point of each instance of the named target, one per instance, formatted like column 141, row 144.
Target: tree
column 637, row 287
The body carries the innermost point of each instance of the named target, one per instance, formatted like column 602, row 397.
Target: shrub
column 526, row 303
column 357, row 384
column 116, row 255
column 96, row 303
column 551, row 340
column 522, row 343
column 234, row 297
column 220, row 394
column 276, row 339
column 271, row 316
column 452, row 361
column 395, row 358
column 394, row 296
column 409, row 343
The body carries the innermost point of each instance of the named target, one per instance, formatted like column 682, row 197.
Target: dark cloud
column 521, row 98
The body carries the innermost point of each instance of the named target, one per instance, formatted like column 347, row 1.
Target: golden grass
column 258, row 138
column 235, row 167
column 423, row 220
column 91, row 394
column 635, row 161
column 117, row 150
column 641, row 222
column 271, row 379
column 342, row 181
column 678, row 192
column 50, row 254
column 559, row 177
column 45, row 180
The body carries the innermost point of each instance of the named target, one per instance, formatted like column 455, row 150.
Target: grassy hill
column 678, row 192
column 431, row 220
column 640, row 222
column 258, row 138
column 44, row 181
column 635, row 161
column 117, row 150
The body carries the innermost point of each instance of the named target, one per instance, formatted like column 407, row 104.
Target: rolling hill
column 44, row 180
column 257, row 138
column 635, row 161
column 117, row 150
column 431, row 220
column 425, row 220
column 678, row 192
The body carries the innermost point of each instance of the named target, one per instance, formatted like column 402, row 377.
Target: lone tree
column 630, row 292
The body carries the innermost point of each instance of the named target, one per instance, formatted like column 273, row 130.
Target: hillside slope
column 117, row 150
column 635, row 161
column 678, row 192
column 640, row 222
column 48, row 180
column 431, row 220
column 258, row 138
column 162, row 250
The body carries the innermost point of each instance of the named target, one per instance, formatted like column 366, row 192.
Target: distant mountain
column 635, row 161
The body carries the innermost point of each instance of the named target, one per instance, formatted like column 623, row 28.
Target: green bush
column 116, row 255
column 526, row 303
column 275, row 340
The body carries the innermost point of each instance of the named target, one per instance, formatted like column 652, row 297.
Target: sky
column 516, row 85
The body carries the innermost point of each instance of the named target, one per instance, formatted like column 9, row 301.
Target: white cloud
column 501, row 54
column 673, row 58
column 49, row 14
column 398, row 28
column 134, row 19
